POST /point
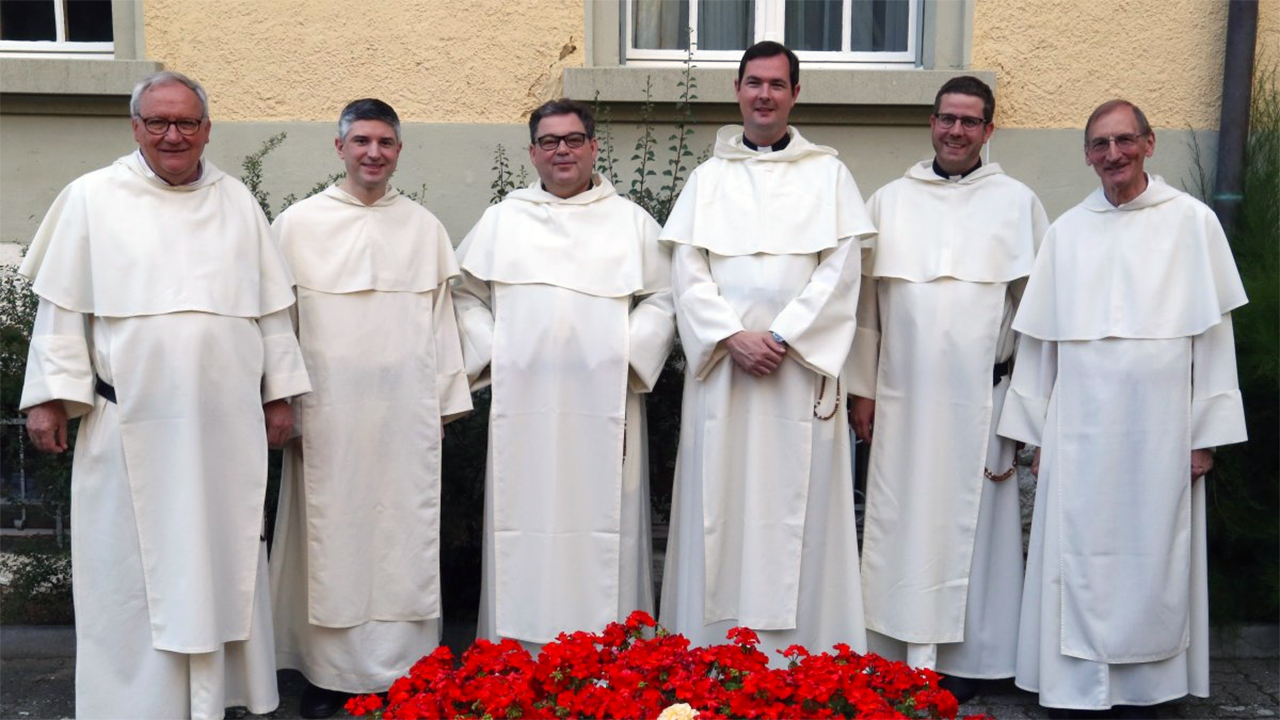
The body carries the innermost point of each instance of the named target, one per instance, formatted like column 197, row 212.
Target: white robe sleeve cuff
column 58, row 368
column 863, row 363
column 455, row 395
column 1023, row 418
column 283, row 372
column 58, row 362
column 652, row 332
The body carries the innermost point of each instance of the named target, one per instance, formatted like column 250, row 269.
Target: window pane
column 89, row 20
column 879, row 25
column 726, row 24
column 27, row 20
column 814, row 24
column 660, row 24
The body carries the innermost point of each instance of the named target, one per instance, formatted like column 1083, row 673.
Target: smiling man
column 767, row 252
column 565, row 307
column 355, row 565
column 163, row 324
column 1126, row 380
column 942, row 544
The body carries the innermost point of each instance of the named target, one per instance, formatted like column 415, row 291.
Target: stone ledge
column 61, row 76
column 819, row 86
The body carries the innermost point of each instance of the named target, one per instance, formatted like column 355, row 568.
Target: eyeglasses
column 1100, row 145
column 160, row 126
column 573, row 141
column 968, row 122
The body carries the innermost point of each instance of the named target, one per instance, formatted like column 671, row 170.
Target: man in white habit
column 942, row 539
column 565, row 308
column 1126, row 381
column 767, row 240
column 163, row 324
column 355, row 565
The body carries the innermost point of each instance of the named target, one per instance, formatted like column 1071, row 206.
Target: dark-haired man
column 163, row 324
column 942, row 543
column 766, row 242
column 355, row 567
column 1126, row 380
column 565, row 307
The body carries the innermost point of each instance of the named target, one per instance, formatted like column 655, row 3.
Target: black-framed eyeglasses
column 573, row 141
column 968, row 122
column 1124, row 143
column 160, row 126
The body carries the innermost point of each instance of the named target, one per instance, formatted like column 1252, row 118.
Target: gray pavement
column 37, row 672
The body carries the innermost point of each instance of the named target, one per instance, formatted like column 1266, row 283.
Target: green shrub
column 1244, row 488
column 38, row 591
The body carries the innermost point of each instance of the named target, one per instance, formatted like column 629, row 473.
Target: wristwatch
column 777, row 338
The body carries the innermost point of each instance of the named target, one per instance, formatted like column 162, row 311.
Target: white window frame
column 61, row 47
column 770, row 24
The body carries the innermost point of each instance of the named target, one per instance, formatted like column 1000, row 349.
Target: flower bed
column 636, row 670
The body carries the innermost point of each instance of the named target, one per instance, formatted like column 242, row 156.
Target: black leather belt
column 997, row 372
column 103, row 389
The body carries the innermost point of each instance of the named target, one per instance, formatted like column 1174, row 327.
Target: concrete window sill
column 70, row 86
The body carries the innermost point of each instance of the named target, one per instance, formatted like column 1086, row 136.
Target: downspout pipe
column 1233, row 127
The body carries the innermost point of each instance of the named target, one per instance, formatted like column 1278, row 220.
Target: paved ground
column 37, row 679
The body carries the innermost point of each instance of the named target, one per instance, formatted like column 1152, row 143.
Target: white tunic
column 942, row 549
column 355, row 565
column 1127, row 364
column 762, row 524
column 177, row 296
column 564, row 306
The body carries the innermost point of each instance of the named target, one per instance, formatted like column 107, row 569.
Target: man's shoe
column 965, row 689
column 317, row 702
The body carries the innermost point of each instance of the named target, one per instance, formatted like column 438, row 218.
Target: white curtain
column 661, row 24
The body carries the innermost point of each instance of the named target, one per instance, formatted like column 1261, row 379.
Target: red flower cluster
column 635, row 670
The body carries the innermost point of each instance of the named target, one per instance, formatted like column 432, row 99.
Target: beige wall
column 472, row 61
column 492, row 61
column 1056, row 60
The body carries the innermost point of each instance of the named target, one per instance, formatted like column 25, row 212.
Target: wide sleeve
column 283, row 372
column 864, row 359
column 1217, row 410
column 703, row 316
column 1026, row 406
column 451, row 375
column 819, row 323
column 58, row 361
column 652, row 324
column 472, row 302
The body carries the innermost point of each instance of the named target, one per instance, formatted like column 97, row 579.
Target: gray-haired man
column 163, row 324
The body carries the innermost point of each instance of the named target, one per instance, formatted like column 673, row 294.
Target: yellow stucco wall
column 470, row 61
column 492, row 61
column 1056, row 60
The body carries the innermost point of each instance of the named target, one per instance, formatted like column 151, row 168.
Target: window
column 70, row 28
column 870, row 31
